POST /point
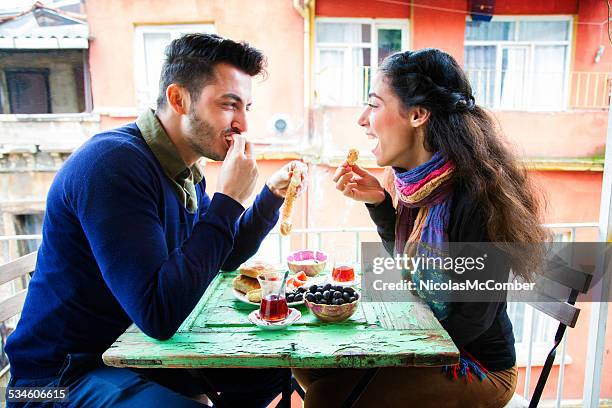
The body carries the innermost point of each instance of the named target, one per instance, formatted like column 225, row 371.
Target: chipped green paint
column 218, row 334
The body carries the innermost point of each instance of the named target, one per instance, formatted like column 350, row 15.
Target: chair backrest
column 558, row 290
column 12, row 306
column 10, row 271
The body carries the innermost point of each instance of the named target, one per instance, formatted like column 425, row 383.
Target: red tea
column 343, row 273
column 273, row 308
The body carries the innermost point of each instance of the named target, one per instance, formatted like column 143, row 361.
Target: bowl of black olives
column 331, row 303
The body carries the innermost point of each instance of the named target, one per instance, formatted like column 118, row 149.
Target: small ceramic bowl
column 332, row 313
column 309, row 261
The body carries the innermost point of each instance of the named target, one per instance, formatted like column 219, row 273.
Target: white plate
column 293, row 316
column 242, row 297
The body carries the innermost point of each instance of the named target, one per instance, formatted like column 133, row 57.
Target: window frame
column 531, row 44
column 403, row 24
column 143, row 99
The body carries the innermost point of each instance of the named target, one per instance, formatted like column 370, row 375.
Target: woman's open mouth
column 376, row 149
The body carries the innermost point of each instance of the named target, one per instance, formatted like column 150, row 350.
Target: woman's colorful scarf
column 425, row 197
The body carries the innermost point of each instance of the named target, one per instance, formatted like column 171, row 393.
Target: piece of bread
column 296, row 179
column 245, row 284
column 352, row 156
column 255, row 268
column 254, row 295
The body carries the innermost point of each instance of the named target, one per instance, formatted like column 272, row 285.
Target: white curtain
column 547, row 84
column 340, row 69
column 513, row 78
column 480, row 69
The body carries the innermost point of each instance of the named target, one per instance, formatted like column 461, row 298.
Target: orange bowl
column 332, row 313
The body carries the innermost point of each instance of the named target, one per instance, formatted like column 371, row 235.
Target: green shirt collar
column 183, row 178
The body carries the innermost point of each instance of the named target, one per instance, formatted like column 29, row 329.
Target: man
column 130, row 235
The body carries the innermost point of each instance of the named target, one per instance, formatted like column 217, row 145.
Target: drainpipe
column 306, row 9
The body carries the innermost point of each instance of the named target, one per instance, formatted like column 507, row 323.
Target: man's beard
column 202, row 137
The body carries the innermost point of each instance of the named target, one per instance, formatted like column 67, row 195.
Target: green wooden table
column 218, row 334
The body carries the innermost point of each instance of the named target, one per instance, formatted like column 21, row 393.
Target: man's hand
column 358, row 184
column 238, row 173
column 279, row 181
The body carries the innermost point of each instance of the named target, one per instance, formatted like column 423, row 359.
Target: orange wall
column 532, row 134
column 112, row 24
column 555, row 134
column 361, row 8
column 589, row 37
column 573, row 196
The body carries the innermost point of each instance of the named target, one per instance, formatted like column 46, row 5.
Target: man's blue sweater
column 119, row 247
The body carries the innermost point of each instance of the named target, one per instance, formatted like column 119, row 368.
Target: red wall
column 432, row 28
column 361, row 8
column 537, row 7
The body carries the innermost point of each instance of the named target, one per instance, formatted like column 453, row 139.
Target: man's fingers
column 248, row 148
column 239, row 144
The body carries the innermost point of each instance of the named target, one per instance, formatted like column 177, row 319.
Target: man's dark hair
column 190, row 61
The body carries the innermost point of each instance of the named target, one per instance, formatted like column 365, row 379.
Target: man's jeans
column 92, row 384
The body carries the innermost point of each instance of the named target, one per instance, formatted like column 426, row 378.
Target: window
column 348, row 51
column 151, row 42
column 28, row 224
column 519, row 63
column 28, row 90
column 54, row 81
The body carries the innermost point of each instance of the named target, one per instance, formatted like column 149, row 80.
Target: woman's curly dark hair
column 467, row 135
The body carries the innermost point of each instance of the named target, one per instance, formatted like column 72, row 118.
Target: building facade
column 544, row 69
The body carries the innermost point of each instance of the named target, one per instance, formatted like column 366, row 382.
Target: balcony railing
column 276, row 247
column 494, row 89
column 590, row 90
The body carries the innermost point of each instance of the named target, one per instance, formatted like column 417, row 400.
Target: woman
column 454, row 181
